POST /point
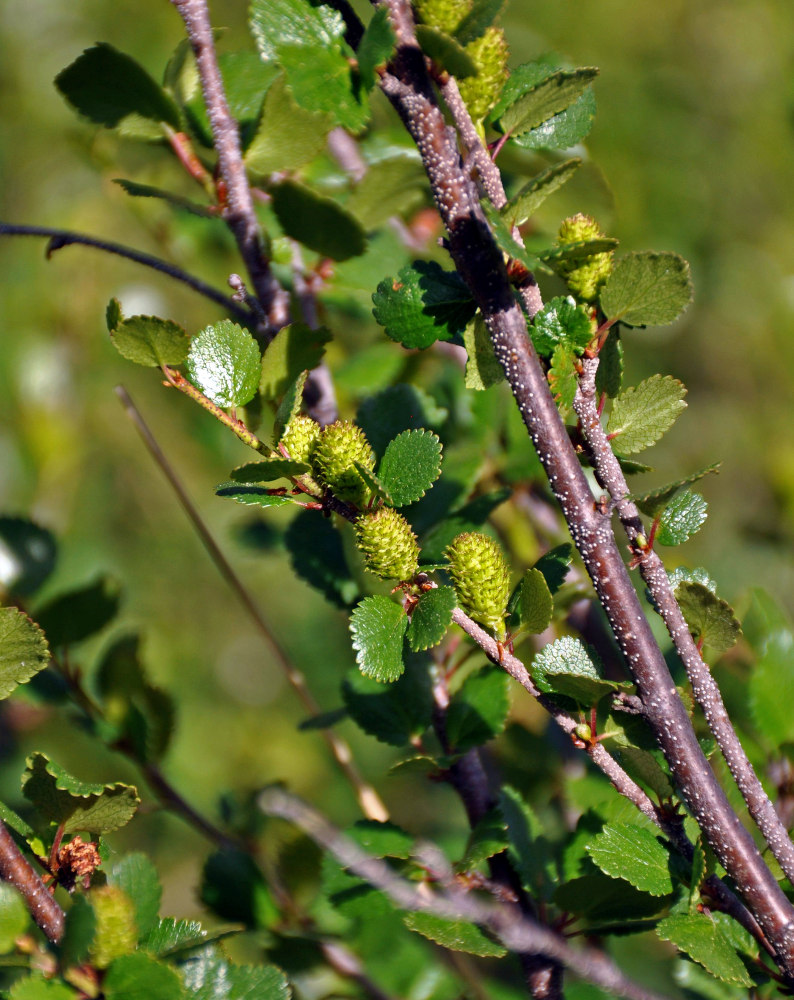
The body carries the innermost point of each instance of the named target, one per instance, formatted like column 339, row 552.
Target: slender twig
column 518, row 934
column 17, row 870
column 480, row 264
column 368, row 798
column 704, row 687
column 63, row 238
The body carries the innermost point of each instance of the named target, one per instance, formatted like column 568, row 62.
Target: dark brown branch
column 14, row 868
column 481, row 265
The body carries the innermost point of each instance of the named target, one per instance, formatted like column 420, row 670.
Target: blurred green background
column 695, row 138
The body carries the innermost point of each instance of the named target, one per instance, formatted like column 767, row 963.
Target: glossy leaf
column 528, row 849
column 478, row 712
column 633, row 853
column 140, row 977
column 710, row 619
column 655, row 502
column 253, row 496
column 209, row 976
column 136, row 876
column 554, row 94
column 482, row 368
column 288, row 136
column 106, row 86
column 394, row 713
column 445, row 51
column 376, row 46
column 225, row 364
column 561, row 321
column 27, row 555
column 151, row 341
column 456, row 935
column 563, row 380
column 771, row 688
column 319, row 223
column 642, row 414
column 523, row 205
column 698, row 936
column 410, row 465
column 74, row 616
column 536, row 603
column 681, row 518
column 554, row 565
column 378, row 627
column 431, row 618
column 647, row 289
column 566, row 667
column 422, row 305
column 23, row 650
column 295, row 348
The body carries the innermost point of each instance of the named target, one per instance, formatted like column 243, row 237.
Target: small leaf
column 395, row 713
column 397, row 408
column 647, row 289
column 654, row 503
column 151, row 341
column 642, row 414
column 288, row 136
column 253, row 496
column 136, row 190
column 23, row 650
column 431, row 618
column 771, row 689
column 710, row 619
column 268, row 471
column 566, row 667
column 169, row 935
column 507, row 243
column 34, row 987
column 487, row 838
column 609, row 377
column 480, row 17
column 424, row 304
column 523, row 206
column 563, row 379
column 697, row 875
column 698, row 936
column 579, row 250
column 139, row 977
column 225, row 363
column 295, row 348
column 14, row 917
column 290, row 405
column 79, row 931
column 478, row 712
column 482, row 368
column 382, row 840
column 445, row 51
column 106, row 86
column 233, row 887
column 528, row 849
column 319, row 223
column 554, row 565
column 554, row 94
column 536, row 603
column 80, row 613
column 376, row 46
column 633, row 853
column 467, row 518
column 27, row 555
column 643, row 767
column 561, row 321
column 410, row 465
column 136, row 876
column 457, row 935
column 209, row 976
column 378, row 626
column 682, row 517
column 317, row 556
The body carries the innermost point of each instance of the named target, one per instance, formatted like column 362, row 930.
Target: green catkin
column 337, row 449
column 300, row 437
column 443, row 14
column 481, row 577
column 116, row 931
column 584, row 277
column 489, row 53
column 389, row 546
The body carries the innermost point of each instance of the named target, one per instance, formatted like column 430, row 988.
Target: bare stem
column 17, row 870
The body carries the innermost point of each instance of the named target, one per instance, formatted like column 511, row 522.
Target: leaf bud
column 337, row 449
column 116, row 932
column 586, row 276
column 489, row 53
column 389, row 546
column 300, row 437
column 481, row 577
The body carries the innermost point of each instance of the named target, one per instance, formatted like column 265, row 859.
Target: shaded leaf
column 479, row 711
column 140, row 977
column 609, row 377
column 295, row 348
column 554, row 565
column 376, row 46
column 710, row 619
column 647, row 289
column 457, row 935
column 398, row 408
column 378, row 626
column 394, row 713
column 681, row 518
column 643, row 767
column 654, row 503
column 390, row 187
column 561, row 321
column 535, row 604
column 698, row 936
column 225, row 363
column 523, row 205
column 288, row 136
column 642, row 414
column 568, row 668
column 80, row 613
column 487, row 838
column 319, row 223
column 482, row 368
column 410, row 465
column 253, row 496
column 445, row 51
column 79, row 931
column 14, row 917
column 480, row 17
column 528, row 848
column 318, row 557
column 601, row 899
column 563, row 379
column 633, row 853
column 27, row 555
column 151, row 341
column 268, row 470
column 233, row 887
column 137, row 877
column 290, row 405
column 551, row 95
column 136, row 190
column 431, row 617
column 467, row 518
column 771, row 689
column 23, row 650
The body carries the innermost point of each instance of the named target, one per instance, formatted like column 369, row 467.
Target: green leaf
column 580, row 250
column 318, row 557
column 378, row 626
column 78, row 805
column 410, row 465
column 654, row 503
column 78, row 614
column 136, row 190
column 642, row 414
column 647, row 289
column 79, row 931
column 478, row 712
column 232, row 886
column 106, row 86
column 137, row 877
column 253, row 496
column 295, row 348
column 431, row 618
column 457, row 935
column 288, row 136
column 382, row 840
column 209, row 976
column 698, row 873
column 139, row 977
column 507, row 243
column 151, row 341
column 390, row 187
column 172, row 937
column 34, row 987
column 528, row 849
column 601, row 899
column 642, row 766
column 225, row 363
column 561, row 321
column 523, row 206
column 23, row 650
column 14, row 917
column 699, row 937
column 482, row 368
column 710, row 619
column 563, row 379
column 481, row 16
column 268, row 471
column 555, row 93
column 568, row 668
column 376, row 46
column 487, row 838
column 554, row 565
column 470, row 517
column 682, row 517
column 27, row 555
column 771, row 687
column 398, row 408
column 317, row 222
column 633, row 853
column 290, row 405
column 424, row 304
column 609, row 377
column 16, row 823
column 536, row 604
column 445, row 51
column 397, row 713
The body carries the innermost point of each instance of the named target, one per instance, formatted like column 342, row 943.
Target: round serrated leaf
column 644, row 413
column 317, row 222
column 23, row 650
column 566, row 667
column 698, row 936
column 410, row 465
column 431, row 618
column 561, row 321
column 647, row 289
column 633, row 853
column 151, row 341
column 681, row 518
column 479, row 711
column 378, row 627
column 710, row 619
column 140, row 977
column 225, row 363
column 536, row 603
column 457, row 935
column 423, row 304
column 392, row 713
